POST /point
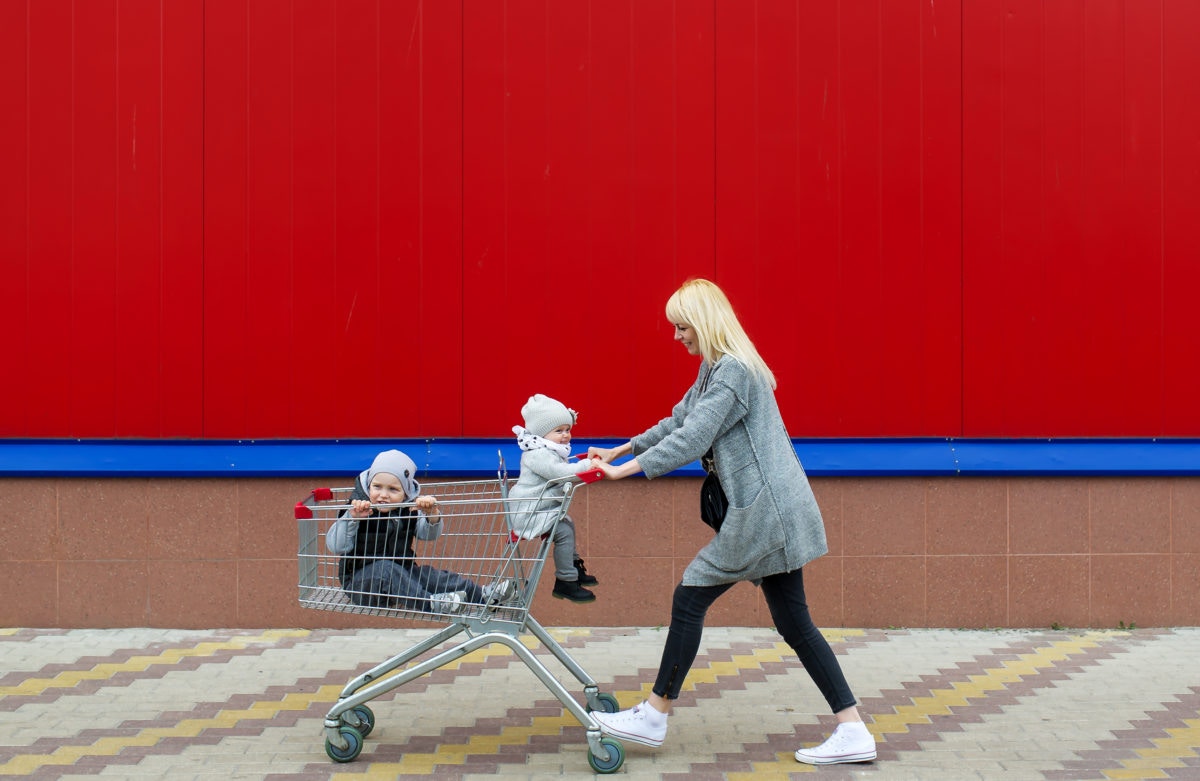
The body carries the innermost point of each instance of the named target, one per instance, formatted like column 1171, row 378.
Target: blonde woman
column 772, row 528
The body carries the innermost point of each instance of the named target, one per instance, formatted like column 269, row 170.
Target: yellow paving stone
column 69, row 679
column 1126, row 774
column 781, row 769
column 941, row 702
column 23, row 764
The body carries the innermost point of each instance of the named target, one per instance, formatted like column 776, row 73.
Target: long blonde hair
column 704, row 306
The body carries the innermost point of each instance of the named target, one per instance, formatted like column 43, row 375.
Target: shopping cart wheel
column 616, row 757
column 366, row 720
column 607, row 702
column 354, row 745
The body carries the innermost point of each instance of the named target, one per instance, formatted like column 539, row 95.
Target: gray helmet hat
column 395, row 463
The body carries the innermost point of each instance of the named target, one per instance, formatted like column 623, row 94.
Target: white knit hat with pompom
column 543, row 414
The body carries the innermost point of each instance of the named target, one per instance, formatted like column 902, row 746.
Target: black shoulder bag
column 713, row 502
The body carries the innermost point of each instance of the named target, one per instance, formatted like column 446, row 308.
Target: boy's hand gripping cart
column 477, row 540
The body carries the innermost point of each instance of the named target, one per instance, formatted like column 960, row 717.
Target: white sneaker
column 850, row 742
column 640, row 724
column 502, row 593
column 448, row 602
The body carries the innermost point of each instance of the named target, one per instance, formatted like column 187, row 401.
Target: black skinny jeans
column 789, row 610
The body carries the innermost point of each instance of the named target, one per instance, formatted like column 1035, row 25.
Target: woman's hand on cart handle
column 607, row 454
column 618, row 471
column 592, row 474
column 605, row 469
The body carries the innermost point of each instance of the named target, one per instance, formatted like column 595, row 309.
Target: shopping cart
column 476, row 541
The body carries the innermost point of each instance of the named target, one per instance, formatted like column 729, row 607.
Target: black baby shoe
column 569, row 589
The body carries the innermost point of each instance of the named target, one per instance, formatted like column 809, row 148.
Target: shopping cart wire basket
column 477, row 541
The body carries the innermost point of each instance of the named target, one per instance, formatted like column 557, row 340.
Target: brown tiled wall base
column 904, row 552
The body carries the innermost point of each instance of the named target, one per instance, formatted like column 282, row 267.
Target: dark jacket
column 383, row 535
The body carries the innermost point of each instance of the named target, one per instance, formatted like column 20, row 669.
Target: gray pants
column 564, row 550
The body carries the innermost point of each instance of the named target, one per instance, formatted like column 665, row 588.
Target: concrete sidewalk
column 943, row 704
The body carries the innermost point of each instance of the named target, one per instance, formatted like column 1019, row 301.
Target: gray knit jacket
column 535, row 505
column 773, row 524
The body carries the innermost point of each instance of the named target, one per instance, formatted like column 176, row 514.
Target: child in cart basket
column 378, row 566
column 545, row 442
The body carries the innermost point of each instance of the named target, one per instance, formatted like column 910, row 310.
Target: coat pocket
column 749, row 534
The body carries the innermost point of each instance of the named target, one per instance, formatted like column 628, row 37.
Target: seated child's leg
column 438, row 581
column 564, row 551
column 376, row 584
column 566, row 574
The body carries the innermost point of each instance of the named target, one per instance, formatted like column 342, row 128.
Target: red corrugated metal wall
column 101, row 226
column 309, row 218
column 333, row 219
column 1081, row 157
column 837, row 220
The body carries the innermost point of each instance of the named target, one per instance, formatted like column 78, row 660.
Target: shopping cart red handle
column 304, row 506
column 590, row 476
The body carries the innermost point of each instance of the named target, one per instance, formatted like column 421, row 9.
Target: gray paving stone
column 254, row 708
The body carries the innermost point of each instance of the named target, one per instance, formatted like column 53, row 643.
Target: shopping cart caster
column 353, row 747
column 616, row 757
column 603, row 703
column 361, row 718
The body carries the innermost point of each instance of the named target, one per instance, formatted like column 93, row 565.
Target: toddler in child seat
column 378, row 567
column 545, row 442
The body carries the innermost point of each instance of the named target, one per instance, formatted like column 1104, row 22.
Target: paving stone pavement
column 943, row 704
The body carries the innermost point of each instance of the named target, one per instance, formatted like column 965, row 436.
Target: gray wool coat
column 773, row 524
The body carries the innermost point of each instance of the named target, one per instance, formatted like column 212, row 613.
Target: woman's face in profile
column 686, row 335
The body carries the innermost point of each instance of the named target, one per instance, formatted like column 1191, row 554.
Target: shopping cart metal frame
column 472, row 512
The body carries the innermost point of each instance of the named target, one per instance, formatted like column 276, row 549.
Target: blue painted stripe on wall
column 479, row 457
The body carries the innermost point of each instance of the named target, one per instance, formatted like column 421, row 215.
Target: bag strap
column 707, row 461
